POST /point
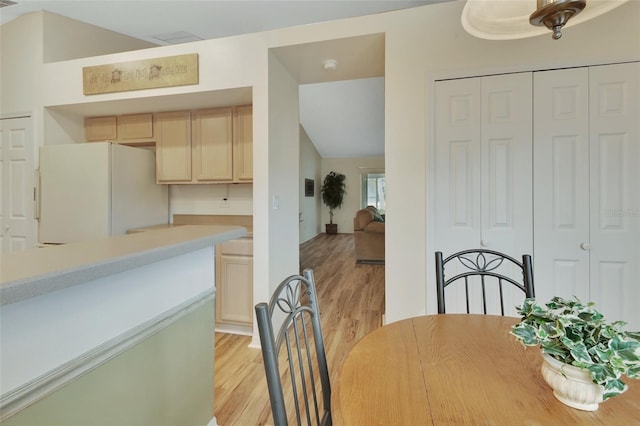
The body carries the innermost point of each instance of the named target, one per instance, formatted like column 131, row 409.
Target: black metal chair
column 301, row 370
column 483, row 263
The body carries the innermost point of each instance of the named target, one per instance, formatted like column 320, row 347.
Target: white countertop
column 42, row 270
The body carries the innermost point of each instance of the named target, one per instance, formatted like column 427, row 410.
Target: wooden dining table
column 457, row 369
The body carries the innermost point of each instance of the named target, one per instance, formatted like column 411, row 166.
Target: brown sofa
column 368, row 236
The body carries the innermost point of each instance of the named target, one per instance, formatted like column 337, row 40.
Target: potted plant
column 333, row 190
column 576, row 340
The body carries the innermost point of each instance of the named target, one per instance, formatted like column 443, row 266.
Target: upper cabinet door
column 213, row 145
column 243, row 143
column 173, row 146
column 135, row 127
column 100, row 129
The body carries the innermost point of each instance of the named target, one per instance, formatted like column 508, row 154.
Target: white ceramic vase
column 571, row 385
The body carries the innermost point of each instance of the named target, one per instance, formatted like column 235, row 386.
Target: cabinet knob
column 585, row 246
column 484, row 243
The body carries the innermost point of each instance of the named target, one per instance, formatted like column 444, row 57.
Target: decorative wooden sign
column 169, row 71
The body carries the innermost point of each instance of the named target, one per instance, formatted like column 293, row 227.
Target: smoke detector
column 330, row 65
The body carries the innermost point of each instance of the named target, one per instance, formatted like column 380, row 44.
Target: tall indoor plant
column 576, row 334
column 333, row 190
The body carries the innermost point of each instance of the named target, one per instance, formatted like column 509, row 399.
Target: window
column 373, row 190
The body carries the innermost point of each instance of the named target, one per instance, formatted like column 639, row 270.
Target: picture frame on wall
column 309, row 187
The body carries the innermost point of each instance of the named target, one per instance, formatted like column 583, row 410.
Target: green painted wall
column 165, row 380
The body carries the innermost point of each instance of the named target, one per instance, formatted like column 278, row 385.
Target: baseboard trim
column 242, row 330
column 35, row 390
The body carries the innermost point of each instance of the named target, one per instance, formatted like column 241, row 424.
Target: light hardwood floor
column 351, row 299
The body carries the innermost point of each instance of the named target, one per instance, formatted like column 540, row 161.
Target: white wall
column 284, row 164
column 309, row 206
column 21, row 62
column 206, row 199
column 421, row 44
column 446, row 50
column 352, row 168
column 69, row 39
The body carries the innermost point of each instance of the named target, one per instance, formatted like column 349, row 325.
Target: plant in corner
column 576, row 334
column 333, row 190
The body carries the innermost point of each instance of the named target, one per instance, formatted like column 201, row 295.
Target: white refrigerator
column 97, row 190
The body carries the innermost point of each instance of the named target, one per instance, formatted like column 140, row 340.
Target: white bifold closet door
column 483, row 171
column 587, row 187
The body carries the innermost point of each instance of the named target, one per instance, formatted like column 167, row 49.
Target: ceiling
column 342, row 111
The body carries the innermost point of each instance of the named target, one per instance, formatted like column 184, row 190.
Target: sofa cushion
column 375, row 226
column 362, row 219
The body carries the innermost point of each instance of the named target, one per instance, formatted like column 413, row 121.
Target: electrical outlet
column 224, row 202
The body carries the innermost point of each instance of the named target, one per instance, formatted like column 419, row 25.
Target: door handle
column 484, row 243
column 585, row 246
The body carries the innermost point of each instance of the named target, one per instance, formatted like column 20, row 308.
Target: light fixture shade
column 509, row 19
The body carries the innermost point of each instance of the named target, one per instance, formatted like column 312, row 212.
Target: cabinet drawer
column 240, row 246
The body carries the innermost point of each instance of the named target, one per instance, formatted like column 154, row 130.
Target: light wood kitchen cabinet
column 212, row 145
column 243, row 143
column 234, row 282
column 173, row 147
column 130, row 129
column 135, row 128
column 218, row 148
column 100, row 129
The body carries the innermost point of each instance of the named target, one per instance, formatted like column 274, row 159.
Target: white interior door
column 561, row 184
column 506, row 164
column 483, row 176
column 587, row 200
column 457, row 165
column 18, row 227
column 506, row 197
column 615, row 190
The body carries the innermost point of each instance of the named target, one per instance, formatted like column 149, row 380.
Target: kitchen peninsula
column 111, row 331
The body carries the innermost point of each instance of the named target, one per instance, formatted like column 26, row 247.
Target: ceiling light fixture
column 554, row 14
column 330, row 65
column 513, row 19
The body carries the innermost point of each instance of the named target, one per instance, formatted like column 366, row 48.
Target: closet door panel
column 615, row 191
column 506, row 153
column 561, row 184
column 483, row 173
column 506, row 170
column 457, row 153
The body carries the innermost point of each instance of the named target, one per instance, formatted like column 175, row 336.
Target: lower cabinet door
column 234, row 294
